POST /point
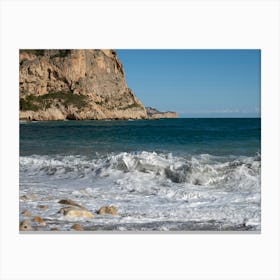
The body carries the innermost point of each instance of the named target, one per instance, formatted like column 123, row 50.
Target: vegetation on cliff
column 43, row 102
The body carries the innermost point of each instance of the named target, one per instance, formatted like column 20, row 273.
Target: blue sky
column 196, row 83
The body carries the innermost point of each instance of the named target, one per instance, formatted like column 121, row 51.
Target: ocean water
column 163, row 175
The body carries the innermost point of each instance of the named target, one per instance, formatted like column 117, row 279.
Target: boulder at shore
column 74, row 212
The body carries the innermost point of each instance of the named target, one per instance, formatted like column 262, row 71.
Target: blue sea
column 162, row 175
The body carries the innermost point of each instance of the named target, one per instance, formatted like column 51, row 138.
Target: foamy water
column 152, row 190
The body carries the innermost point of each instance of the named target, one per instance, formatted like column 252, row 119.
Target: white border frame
column 140, row 24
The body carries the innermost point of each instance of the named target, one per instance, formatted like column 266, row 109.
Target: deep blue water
column 180, row 136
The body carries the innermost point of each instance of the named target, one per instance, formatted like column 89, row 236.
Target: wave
column 201, row 170
column 159, row 189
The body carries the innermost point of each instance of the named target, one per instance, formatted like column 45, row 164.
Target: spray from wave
column 204, row 170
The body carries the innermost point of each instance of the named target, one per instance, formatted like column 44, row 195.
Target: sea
column 166, row 175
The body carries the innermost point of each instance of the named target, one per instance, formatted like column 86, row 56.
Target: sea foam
column 152, row 187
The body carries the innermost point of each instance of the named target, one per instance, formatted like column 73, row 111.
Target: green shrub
column 61, row 53
column 35, row 52
column 26, row 105
column 35, row 103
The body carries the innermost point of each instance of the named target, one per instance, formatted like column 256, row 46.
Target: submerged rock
column 47, row 198
column 26, row 213
column 77, row 227
column 28, row 197
column 26, row 226
column 71, row 202
column 43, row 207
column 111, row 210
column 39, row 220
column 73, row 212
column 54, row 229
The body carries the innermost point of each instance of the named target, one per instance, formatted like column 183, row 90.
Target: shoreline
column 148, row 119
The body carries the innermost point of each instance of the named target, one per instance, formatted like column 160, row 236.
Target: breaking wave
column 203, row 170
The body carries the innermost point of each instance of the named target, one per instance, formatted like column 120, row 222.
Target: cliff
column 75, row 84
column 155, row 114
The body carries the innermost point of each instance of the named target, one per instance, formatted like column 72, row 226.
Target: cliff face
column 75, row 84
column 155, row 114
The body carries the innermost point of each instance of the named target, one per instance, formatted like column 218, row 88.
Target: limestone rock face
column 155, row 114
column 75, row 84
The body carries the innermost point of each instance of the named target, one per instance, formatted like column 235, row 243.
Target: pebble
column 43, row 207
column 25, row 226
column 28, row 197
column 26, row 213
column 39, row 220
column 77, row 227
column 55, row 229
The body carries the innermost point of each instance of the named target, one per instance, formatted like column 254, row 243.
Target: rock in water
column 75, row 84
column 77, row 227
column 111, row 210
column 43, row 207
column 26, row 213
column 28, row 197
column 71, row 202
column 39, row 220
column 25, row 226
column 55, row 229
column 73, row 212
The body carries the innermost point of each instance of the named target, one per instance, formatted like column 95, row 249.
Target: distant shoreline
column 109, row 120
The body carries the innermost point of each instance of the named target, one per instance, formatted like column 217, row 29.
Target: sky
column 196, row 83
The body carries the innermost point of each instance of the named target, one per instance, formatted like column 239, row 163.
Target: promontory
column 76, row 85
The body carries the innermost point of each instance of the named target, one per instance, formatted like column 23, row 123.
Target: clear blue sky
column 196, row 83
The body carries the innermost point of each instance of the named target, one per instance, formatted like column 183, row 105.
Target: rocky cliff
column 155, row 114
column 75, row 84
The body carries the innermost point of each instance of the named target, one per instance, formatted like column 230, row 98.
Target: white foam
column 149, row 186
